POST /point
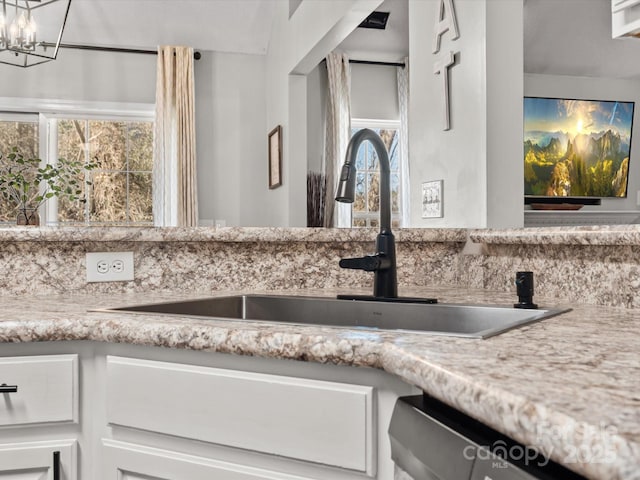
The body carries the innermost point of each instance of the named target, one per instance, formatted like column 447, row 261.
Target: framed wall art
column 275, row 157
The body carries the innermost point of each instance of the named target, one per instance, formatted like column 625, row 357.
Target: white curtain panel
column 175, row 200
column 337, row 135
column 403, row 102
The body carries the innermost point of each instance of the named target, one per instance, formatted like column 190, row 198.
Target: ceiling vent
column 377, row 20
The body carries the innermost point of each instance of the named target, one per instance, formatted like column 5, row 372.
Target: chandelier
column 31, row 30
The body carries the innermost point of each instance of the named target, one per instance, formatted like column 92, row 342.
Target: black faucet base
column 371, row 298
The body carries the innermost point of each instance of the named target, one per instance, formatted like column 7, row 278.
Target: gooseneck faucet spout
column 383, row 263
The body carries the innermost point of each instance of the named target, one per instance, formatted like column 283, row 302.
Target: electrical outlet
column 109, row 266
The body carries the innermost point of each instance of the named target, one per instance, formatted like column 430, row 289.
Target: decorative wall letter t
column 445, row 22
column 441, row 67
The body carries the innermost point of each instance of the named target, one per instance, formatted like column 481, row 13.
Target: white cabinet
column 44, row 389
column 178, row 414
column 125, row 461
column 41, row 393
column 328, row 423
column 54, row 460
column 625, row 18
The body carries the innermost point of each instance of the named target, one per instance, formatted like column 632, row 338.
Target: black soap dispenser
column 524, row 286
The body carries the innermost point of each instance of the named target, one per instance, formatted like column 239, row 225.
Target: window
column 119, row 190
column 17, row 130
column 366, row 206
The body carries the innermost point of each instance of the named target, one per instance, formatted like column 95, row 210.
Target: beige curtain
column 175, row 200
column 337, row 135
column 402, row 75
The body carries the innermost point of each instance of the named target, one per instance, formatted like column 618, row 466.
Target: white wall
column 456, row 156
column 467, row 156
column 316, row 112
column 597, row 88
column 504, row 117
column 83, row 75
column 230, row 135
column 296, row 47
column 374, row 92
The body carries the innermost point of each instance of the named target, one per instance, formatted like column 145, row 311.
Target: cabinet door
column 127, row 461
column 37, row 461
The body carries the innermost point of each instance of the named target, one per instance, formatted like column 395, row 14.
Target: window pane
column 360, row 158
column 361, row 189
column 72, row 136
column 140, row 146
column 109, row 197
column 108, row 144
column 72, row 144
column 24, row 136
column 395, row 193
column 140, row 203
column 359, row 222
column 392, row 147
column 373, row 195
column 372, row 156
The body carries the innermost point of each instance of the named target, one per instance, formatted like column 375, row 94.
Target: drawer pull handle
column 4, row 388
column 56, row 465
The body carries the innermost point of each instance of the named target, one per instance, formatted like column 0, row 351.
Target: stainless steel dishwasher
column 432, row 441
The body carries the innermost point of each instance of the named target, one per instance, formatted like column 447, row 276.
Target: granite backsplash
column 586, row 265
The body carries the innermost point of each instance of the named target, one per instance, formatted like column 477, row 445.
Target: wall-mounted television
column 576, row 148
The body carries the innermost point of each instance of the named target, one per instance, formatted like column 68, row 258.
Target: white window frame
column 48, row 112
column 380, row 124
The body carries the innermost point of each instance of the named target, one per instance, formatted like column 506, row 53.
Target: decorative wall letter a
column 445, row 22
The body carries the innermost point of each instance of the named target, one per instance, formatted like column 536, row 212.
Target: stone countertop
column 224, row 234
column 567, row 386
column 588, row 235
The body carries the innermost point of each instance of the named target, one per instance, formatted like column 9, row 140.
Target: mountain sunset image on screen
column 576, row 148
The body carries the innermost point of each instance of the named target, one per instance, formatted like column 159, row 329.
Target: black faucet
column 383, row 263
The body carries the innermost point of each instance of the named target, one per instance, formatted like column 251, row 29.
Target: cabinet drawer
column 317, row 421
column 127, row 461
column 37, row 460
column 47, row 389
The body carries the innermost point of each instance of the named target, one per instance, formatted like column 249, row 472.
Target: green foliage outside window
column 25, row 184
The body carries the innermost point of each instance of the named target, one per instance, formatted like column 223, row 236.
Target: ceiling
column 568, row 37
column 239, row 26
column 573, row 37
column 388, row 45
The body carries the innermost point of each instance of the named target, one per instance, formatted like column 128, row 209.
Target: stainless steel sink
column 473, row 321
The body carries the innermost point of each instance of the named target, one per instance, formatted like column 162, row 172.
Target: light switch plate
column 432, row 200
column 109, row 266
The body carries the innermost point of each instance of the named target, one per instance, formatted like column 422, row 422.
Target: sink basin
column 473, row 321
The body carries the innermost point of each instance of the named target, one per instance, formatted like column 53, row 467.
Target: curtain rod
column 373, row 62
column 196, row 55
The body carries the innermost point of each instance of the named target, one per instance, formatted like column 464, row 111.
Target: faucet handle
column 369, row 263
